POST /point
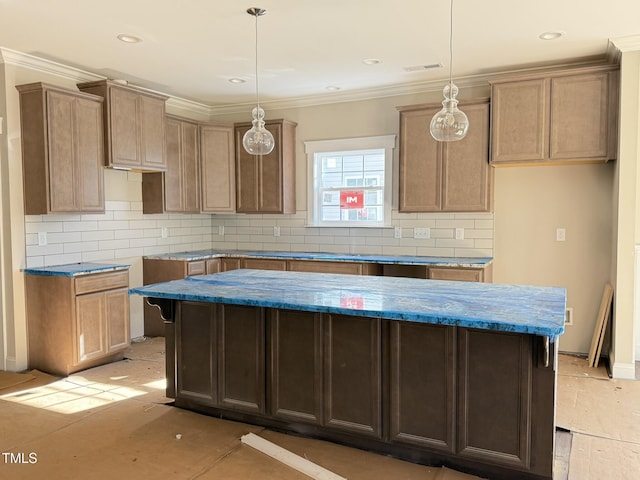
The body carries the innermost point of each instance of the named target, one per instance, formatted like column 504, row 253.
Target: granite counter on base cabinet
column 460, row 374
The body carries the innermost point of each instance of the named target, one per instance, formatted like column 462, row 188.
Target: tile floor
column 113, row 422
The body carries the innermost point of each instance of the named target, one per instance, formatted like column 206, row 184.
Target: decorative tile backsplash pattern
column 123, row 231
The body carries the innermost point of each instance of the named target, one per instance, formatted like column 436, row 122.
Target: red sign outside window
column 352, row 199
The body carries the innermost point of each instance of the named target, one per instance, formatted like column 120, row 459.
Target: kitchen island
column 447, row 373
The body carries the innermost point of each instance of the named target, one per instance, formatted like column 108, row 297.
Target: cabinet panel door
column 218, row 169
column 264, row 264
column 420, row 163
column 467, row 175
column 62, row 164
column 90, row 326
column 195, row 331
column 124, row 128
column 241, row 362
column 151, row 113
column 352, row 374
column 227, row 264
column 90, row 156
column 494, row 410
column 247, row 177
column 321, row 266
column 580, row 117
column 270, row 174
column 422, row 385
column 117, row 319
column 173, row 199
column 456, row 274
column 519, row 121
column 191, row 171
column 296, row 366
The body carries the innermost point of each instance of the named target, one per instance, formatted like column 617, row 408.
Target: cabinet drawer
column 101, row 281
column 457, row 274
column 196, row 268
column 325, row 267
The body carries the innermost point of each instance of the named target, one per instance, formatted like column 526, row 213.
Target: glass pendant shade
column 258, row 140
column 449, row 124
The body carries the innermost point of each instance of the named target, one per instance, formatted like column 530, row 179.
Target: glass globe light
column 449, row 124
column 258, row 140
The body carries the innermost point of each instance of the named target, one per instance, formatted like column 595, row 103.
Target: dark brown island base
column 428, row 387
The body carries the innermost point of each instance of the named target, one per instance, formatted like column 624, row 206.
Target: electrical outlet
column 397, row 232
column 220, row 230
column 568, row 316
column 459, row 233
column 276, row 231
column 423, row 233
column 42, row 239
column 561, row 234
column 164, row 232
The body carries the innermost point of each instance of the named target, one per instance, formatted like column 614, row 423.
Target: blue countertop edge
column 74, row 269
column 477, row 262
column 496, row 307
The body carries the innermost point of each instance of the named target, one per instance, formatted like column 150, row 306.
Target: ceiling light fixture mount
column 450, row 124
column 258, row 140
column 126, row 38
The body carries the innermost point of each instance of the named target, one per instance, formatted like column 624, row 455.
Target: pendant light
column 258, row 140
column 449, row 124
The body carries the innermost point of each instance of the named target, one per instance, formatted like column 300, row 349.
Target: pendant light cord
column 450, row 46
column 257, row 89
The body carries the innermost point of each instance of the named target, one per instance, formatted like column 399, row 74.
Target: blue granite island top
column 469, row 262
column 509, row 308
column 74, row 269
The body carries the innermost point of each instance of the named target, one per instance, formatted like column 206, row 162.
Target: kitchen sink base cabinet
column 475, row 400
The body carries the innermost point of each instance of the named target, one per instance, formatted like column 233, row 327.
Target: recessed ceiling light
column 371, row 61
column 126, row 38
column 237, row 80
column 333, row 88
column 551, row 35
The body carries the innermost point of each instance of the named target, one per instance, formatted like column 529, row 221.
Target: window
column 350, row 181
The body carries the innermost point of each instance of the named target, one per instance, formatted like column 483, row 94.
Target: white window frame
column 313, row 147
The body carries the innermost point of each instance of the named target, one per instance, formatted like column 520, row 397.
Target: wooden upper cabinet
column 561, row 117
column 62, row 150
column 266, row 183
column 134, row 125
column 444, row 176
column 218, row 170
column 177, row 190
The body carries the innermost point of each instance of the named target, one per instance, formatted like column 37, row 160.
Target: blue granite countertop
column 73, row 269
column 478, row 262
column 509, row 308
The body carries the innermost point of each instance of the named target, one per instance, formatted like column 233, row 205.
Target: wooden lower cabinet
column 322, row 266
column 476, row 400
column 353, row 375
column 77, row 322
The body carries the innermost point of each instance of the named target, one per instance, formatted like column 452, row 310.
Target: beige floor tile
column 594, row 458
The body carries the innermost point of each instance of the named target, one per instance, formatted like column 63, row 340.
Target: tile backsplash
column 123, row 231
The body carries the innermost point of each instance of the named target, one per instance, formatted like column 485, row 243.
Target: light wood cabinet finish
column 177, row 190
column 323, row 266
column 444, row 176
column 266, row 183
column 62, row 150
column 134, row 125
column 560, row 117
column 77, row 322
column 218, row 169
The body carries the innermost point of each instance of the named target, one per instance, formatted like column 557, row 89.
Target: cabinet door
column 173, row 197
column 124, row 128
column 466, row 173
column 353, row 375
column 62, row 164
column 420, row 163
column 422, row 385
column 218, row 169
column 270, row 175
column 241, row 362
column 230, row 263
column 580, row 117
column 520, row 121
column 264, row 264
column 89, row 156
column 455, row 274
column 151, row 113
column 295, row 365
column 197, row 361
column 90, row 327
column 494, row 408
column 247, row 177
column 117, row 319
column 190, row 168
column 321, row 266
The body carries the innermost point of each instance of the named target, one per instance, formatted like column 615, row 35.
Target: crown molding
column 626, row 44
column 13, row 57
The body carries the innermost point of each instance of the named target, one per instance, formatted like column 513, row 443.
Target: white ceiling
column 191, row 48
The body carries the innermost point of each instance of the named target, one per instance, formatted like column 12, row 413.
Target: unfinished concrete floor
column 113, row 422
